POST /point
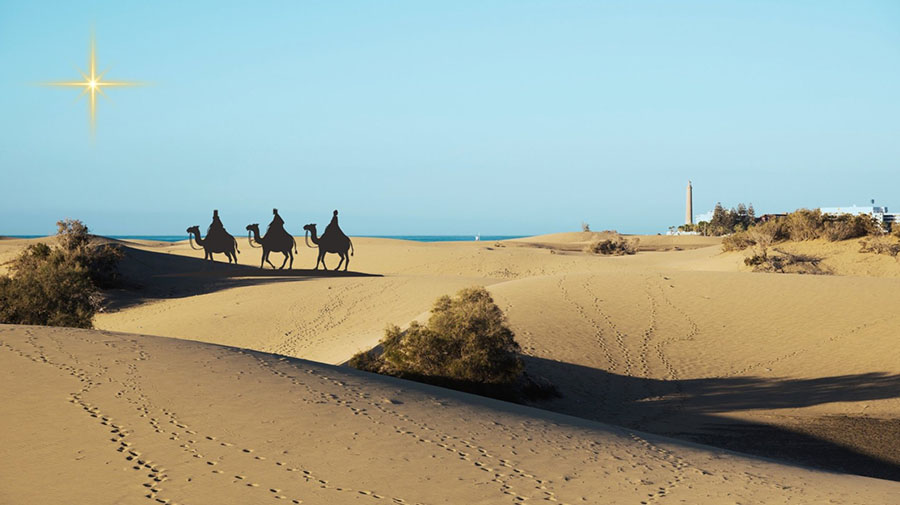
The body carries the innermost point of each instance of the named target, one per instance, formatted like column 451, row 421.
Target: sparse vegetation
column 613, row 244
column 723, row 221
column 58, row 286
column 880, row 244
column 800, row 225
column 465, row 345
column 787, row 263
column 585, row 227
column 466, row 339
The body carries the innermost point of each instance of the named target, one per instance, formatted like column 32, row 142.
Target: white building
column 880, row 214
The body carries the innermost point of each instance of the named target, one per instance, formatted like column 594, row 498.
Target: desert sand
column 679, row 340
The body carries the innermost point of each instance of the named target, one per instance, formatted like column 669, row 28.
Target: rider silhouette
column 216, row 226
column 333, row 227
column 277, row 224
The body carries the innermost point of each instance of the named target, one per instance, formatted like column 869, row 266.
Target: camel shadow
column 697, row 410
column 148, row 275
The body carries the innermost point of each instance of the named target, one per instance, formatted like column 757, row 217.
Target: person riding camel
column 276, row 227
column 216, row 228
column 333, row 228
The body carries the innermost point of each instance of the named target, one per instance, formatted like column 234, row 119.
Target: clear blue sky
column 448, row 117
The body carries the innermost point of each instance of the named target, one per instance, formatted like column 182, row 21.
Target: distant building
column 765, row 218
column 880, row 214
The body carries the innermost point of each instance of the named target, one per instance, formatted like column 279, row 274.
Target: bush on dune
column 801, row 225
column 880, row 244
column 614, row 245
column 465, row 345
column 465, row 339
column 58, row 286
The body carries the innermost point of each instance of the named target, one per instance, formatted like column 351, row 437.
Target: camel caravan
column 276, row 239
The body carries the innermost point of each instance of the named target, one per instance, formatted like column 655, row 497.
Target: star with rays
column 93, row 84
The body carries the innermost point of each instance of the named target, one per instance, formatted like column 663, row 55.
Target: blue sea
column 417, row 238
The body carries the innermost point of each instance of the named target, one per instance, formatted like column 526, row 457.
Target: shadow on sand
column 693, row 410
column 150, row 275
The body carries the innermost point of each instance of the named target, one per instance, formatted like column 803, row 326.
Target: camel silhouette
column 223, row 242
column 273, row 242
column 329, row 242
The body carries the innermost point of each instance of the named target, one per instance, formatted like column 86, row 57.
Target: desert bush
column 786, row 263
column 100, row 260
column 466, row 339
column 881, row 244
column 804, row 224
column 72, row 234
column 585, row 227
column 614, row 245
column 46, row 289
column 58, row 286
column 846, row 227
column 737, row 241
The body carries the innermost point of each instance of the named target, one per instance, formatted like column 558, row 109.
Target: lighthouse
column 689, row 211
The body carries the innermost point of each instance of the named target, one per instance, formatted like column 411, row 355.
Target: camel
column 222, row 244
column 276, row 242
column 339, row 244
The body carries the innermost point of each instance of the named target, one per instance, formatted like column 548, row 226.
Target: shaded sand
column 100, row 417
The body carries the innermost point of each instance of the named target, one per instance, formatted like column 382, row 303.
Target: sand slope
column 100, row 417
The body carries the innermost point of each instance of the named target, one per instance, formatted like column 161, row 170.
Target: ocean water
column 417, row 238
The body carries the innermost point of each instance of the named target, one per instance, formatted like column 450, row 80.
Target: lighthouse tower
column 689, row 211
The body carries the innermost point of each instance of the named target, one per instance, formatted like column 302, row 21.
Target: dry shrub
column 881, row 244
column 613, row 245
column 46, row 289
column 466, row 340
column 58, row 286
column 846, row 227
column 737, row 241
column 804, row 224
column 762, row 235
column 787, row 263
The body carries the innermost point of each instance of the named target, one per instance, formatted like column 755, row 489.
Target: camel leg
column 283, row 262
column 262, row 261
column 347, row 264
column 266, row 256
column 322, row 259
column 338, row 267
column 291, row 266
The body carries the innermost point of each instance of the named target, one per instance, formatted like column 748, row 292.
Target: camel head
column 193, row 229
column 310, row 228
column 254, row 226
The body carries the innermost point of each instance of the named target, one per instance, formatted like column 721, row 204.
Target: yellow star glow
column 93, row 84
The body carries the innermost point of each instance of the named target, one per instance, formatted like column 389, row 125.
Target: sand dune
column 678, row 340
column 101, row 417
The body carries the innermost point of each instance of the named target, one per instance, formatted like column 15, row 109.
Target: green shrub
column 466, row 339
column 58, row 286
column 46, row 289
column 615, row 245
